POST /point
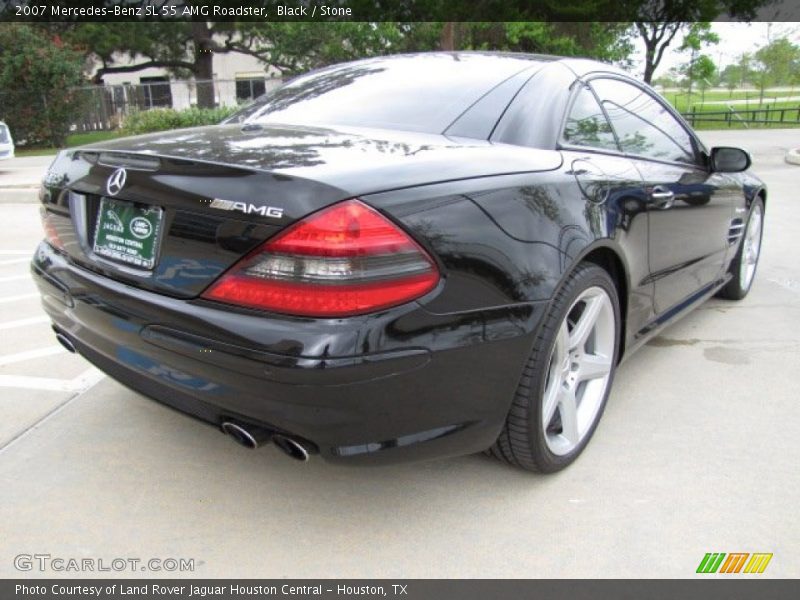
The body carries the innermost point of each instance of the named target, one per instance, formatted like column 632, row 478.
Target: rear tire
column 567, row 378
column 744, row 264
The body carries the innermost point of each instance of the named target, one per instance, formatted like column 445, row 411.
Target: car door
column 612, row 187
column 689, row 209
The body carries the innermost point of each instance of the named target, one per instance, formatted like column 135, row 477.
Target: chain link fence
column 105, row 107
column 45, row 119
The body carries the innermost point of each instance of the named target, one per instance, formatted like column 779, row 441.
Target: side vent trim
column 735, row 231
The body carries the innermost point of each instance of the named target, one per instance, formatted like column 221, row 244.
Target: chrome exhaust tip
column 291, row 447
column 246, row 435
column 65, row 341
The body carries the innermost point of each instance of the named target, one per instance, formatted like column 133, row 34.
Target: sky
column 734, row 39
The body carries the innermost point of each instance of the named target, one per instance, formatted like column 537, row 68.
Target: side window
column 587, row 125
column 644, row 127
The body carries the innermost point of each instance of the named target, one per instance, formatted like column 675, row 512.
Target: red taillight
column 345, row 260
column 50, row 231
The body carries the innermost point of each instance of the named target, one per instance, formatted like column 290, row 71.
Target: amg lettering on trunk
column 248, row 209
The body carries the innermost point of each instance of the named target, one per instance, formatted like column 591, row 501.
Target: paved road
column 698, row 452
column 20, row 177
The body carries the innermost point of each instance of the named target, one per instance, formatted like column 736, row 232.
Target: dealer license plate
column 128, row 233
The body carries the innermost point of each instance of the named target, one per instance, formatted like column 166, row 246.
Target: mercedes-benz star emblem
column 116, row 182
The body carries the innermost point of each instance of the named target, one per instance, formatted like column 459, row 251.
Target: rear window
column 4, row 137
column 423, row 93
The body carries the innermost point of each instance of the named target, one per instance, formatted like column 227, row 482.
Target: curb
column 15, row 195
column 793, row 156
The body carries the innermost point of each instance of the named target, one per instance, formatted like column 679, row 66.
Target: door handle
column 662, row 197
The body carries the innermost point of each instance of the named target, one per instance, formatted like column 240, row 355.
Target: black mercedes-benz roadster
column 399, row 258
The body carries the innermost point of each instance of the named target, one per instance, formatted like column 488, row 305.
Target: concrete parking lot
column 19, row 178
column 697, row 452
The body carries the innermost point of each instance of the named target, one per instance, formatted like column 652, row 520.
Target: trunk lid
column 357, row 161
column 213, row 194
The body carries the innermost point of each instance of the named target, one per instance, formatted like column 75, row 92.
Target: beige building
column 238, row 78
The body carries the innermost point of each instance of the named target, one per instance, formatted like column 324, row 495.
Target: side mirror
column 725, row 159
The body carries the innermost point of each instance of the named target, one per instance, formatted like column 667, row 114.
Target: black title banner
column 398, row 10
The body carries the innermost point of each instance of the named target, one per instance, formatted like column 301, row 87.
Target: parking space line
column 15, row 278
column 24, row 322
column 36, row 383
column 17, row 298
column 80, row 383
column 10, row 359
column 17, row 252
column 14, row 261
column 88, row 379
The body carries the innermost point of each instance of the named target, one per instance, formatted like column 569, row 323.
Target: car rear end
column 316, row 275
column 299, row 318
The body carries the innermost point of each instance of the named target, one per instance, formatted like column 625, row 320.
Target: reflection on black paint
column 539, row 200
column 308, row 88
column 279, row 146
column 693, row 188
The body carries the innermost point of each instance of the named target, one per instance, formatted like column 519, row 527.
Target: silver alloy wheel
column 751, row 247
column 579, row 371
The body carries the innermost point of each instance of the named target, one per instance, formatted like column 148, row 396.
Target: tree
column 37, row 81
column 657, row 37
column 292, row 47
column 601, row 41
column 660, row 21
column 155, row 44
column 778, row 62
column 672, row 79
column 188, row 48
column 295, row 47
column 745, row 65
column 697, row 36
column 731, row 78
column 447, row 39
column 704, row 71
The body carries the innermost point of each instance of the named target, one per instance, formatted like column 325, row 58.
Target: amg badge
column 248, row 209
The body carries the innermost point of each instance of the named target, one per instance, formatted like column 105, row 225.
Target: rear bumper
column 399, row 385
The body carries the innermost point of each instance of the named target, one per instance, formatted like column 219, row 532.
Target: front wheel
column 566, row 381
column 744, row 264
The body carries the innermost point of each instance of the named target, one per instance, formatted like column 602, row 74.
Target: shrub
column 38, row 77
column 161, row 119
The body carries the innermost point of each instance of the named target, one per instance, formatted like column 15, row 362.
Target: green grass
column 79, row 139
column 744, row 115
column 716, row 101
column 75, row 139
column 20, row 152
column 683, row 102
column 715, row 125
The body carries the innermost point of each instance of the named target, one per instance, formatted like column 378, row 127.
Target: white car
column 6, row 143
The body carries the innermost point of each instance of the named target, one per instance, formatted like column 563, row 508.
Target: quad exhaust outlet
column 248, row 436
column 64, row 340
column 253, row 436
column 291, row 447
